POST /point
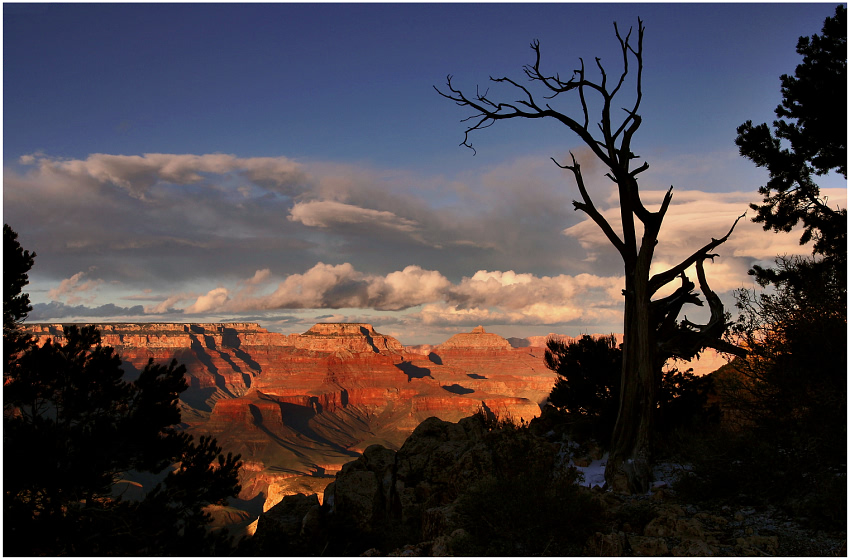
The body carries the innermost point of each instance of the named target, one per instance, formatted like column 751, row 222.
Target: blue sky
column 292, row 163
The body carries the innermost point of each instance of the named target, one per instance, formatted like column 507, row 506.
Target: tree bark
column 629, row 468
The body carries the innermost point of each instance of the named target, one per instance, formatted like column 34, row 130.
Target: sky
column 289, row 164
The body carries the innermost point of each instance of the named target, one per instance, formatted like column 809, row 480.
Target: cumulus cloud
column 167, row 305
column 259, row 277
column 520, row 291
column 74, row 289
column 212, row 300
column 407, row 288
column 487, row 296
column 485, row 242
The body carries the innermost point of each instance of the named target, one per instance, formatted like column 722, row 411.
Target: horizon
column 291, row 164
column 96, row 324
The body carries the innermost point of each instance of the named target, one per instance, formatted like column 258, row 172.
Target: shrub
column 588, row 386
column 527, row 514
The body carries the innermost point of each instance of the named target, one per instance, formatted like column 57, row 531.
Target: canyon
column 298, row 407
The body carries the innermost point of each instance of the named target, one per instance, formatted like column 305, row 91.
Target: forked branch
column 488, row 111
column 686, row 339
column 589, row 208
column 663, row 278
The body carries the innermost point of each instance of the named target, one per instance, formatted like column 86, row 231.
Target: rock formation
column 387, row 495
column 298, row 407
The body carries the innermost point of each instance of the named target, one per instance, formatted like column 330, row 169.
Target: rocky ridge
column 412, row 496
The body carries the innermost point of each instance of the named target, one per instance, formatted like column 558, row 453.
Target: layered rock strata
column 298, row 407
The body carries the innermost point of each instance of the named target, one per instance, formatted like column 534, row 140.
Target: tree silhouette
column 652, row 333
column 16, row 305
column 792, row 385
column 589, row 373
column 72, row 427
column 813, row 142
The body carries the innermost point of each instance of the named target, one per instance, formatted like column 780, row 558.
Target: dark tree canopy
column 808, row 139
column 790, row 389
column 589, row 376
column 72, row 427
column 16, row 304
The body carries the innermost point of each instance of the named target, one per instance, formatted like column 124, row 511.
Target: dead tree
column 652, row 332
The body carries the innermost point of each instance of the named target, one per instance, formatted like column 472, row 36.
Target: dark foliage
column 787, row 399
column 789, row 393
column 527, row 506
column 589, row 374
column 72, row 427
column 530, row 514
column 755, row 468
column 588, row 384
column 794, row 377
column 814, row 101
column 16, row 264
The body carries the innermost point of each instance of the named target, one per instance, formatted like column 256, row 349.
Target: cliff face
column 299, row 406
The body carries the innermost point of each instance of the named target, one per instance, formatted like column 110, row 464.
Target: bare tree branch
column 663, row 278
column 588, row 207
column 688, row 339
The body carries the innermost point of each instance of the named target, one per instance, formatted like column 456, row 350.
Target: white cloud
column 407, row 288
column 693, row 219
column 73, row 289
column 259, row 277
column 328, row 213
column 167, row 304
column 212, row 300
column 519, row 291
column 137, row 174
column 487, row 296
column 492, row 254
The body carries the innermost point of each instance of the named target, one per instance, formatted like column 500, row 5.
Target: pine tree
column 72, row 427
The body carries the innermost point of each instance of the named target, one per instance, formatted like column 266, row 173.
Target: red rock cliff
column 302, row 404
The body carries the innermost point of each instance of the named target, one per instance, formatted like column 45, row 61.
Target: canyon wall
column 298, row 407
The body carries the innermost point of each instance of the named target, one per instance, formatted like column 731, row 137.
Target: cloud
column 59, row 311
column 73, row 289
column 521, row 291
column 541, row 313
column 501, row 243
column 212, row 300
column 167, row 305
column 693, row 219
column 506, row 297
column 327, row 213
column 137, row 174
column 259, row 277
column 407, row 288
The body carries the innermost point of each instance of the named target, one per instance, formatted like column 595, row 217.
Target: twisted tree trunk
column 629, row 467
column 652, row 333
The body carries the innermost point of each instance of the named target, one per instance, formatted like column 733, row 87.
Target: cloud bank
column 222, row 236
